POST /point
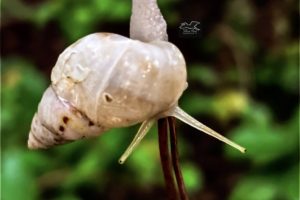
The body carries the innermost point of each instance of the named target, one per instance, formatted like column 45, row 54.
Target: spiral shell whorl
column 58, row 122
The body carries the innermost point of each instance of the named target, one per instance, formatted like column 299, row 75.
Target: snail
column 105, row 80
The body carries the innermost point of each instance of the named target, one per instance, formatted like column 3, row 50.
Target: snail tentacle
column 186, row 118
column 143, row 130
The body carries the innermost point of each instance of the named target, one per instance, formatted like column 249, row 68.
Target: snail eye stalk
column 143, row 130
column 180, row 114
column 186, row 118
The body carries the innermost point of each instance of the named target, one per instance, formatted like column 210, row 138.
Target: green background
column 243, row 82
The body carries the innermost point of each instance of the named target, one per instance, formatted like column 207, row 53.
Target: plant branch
column 175, row 159
column 165, row 159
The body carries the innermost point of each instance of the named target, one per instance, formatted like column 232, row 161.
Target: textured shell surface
column 58, row 122
column 117, row 81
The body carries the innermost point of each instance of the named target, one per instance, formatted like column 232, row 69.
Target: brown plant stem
column 175, row 159
column 165, row 159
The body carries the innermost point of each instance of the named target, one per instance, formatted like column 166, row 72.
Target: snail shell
column 103, row 81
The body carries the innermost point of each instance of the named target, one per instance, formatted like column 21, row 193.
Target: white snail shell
column 103, row 81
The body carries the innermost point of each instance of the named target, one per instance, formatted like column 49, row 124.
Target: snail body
column 109, row 81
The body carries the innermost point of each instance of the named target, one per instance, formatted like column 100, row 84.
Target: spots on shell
column 108, row 98
column 49, row 137
column 65, row 119
column 61, row 128
column 91, row 123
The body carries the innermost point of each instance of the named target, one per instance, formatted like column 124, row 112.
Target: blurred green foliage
column 21, row 88
column 76, row 18
column 88, row 169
